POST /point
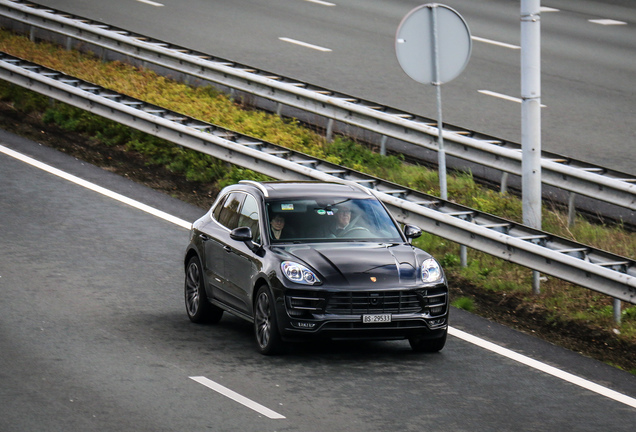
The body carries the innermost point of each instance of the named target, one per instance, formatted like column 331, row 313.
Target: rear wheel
column 199, row 309
column 428, row 345
column 266, row 332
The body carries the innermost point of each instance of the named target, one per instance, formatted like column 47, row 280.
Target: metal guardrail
column 564, row 173
column 574, row 262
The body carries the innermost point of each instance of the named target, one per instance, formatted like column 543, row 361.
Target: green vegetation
column 465, row 303
column 561, row 301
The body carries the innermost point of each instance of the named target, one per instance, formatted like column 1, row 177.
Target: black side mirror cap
column 244, row 234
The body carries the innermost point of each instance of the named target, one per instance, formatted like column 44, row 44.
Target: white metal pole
column 531, row 111
column 531, row 116
column 441, row 154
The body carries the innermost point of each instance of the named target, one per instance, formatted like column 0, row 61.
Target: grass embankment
column 486, row 285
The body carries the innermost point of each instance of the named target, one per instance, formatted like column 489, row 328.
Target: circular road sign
column 415, row 43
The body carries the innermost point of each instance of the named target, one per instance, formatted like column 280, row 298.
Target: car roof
column 308, row 189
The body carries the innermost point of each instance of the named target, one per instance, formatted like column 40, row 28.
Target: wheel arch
column 278, row 296
column 258, row 283
column 188, row 256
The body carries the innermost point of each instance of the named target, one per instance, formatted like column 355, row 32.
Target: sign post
column 433, row 46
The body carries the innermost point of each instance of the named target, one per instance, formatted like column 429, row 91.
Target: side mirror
column 412, row 232
column 244, row 234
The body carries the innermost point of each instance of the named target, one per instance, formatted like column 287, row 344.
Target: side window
column 249, row 217
column 229, row 213
column 217, row 210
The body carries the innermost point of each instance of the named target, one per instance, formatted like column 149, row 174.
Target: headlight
column 431, row 271
column 299, row 273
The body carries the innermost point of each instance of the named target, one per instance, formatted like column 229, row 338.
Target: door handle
column 204, row 237
column 227, row 248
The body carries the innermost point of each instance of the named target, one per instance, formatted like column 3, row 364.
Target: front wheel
column 199, row 309
column 266, row 332
column 428, row 345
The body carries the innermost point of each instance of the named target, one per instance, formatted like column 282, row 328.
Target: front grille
column 356, row 303
column 306, row 304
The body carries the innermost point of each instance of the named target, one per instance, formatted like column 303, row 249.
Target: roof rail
column 256, row 184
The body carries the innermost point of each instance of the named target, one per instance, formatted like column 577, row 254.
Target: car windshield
column 338, row 219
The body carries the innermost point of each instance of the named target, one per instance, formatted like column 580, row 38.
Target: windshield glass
column 307, row 220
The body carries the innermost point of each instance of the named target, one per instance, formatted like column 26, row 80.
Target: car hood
column 360, row 264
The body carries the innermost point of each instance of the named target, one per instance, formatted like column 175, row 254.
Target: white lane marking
column 548, row 9
column 237, row 397
column 492, row 42
column 151, row 3
column 320, row 2
column 500, row 96
column 607, row 22
column 604, row 391
column 550, row 370
column 503, row 96
column 96, row 188
column 304, row 44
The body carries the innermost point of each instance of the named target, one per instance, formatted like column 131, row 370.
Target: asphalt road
column 94, row 337
column 93, row 332
column 588, row 68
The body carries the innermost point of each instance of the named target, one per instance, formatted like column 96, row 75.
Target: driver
column 343, row 222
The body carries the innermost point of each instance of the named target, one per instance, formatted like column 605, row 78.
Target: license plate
column 376, row 318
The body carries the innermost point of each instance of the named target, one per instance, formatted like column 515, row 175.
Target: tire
column 266, row 332
column 198, row 308
column 427, row 345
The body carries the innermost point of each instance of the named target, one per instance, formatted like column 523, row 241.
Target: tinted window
column 333, row 219
column 249, row 217
column 229, row 212
column 217, row 210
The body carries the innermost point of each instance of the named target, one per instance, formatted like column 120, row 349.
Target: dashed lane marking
column 304, row 44
column 237, row 397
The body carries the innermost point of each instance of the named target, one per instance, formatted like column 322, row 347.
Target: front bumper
column 339, row 315
column 353, row 328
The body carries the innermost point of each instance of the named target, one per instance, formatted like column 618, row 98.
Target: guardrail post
column 32, row 34
column 504, row 182
column 571, row 209
column 536, row 282
column 329, row 135
column 617, row 311
column 463, row 255
column 383, row 145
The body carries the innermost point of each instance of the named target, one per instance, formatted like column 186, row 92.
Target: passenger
column 278, row 230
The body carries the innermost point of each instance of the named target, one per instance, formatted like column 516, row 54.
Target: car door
column 217, row 241
column 242, row 263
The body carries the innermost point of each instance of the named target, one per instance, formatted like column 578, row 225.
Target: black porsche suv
column 313, row 259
